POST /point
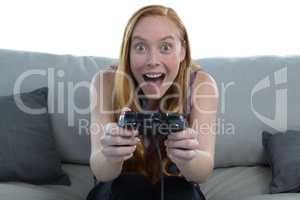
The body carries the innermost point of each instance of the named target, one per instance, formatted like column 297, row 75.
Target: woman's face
column 155, row 54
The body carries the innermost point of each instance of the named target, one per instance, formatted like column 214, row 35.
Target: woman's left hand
column 182, row 146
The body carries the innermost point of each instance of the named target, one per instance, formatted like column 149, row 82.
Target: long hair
column 125, row 88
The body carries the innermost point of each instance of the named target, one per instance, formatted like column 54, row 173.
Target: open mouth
column 154, row 77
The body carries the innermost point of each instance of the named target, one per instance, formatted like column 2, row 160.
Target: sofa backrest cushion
column 256, row 94
column 68, row 78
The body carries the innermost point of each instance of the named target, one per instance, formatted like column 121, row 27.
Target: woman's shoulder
column 199, row 75
column 194, row 70
column 106, row 75
column 203, row 81
column 112, row 67
column 107, row 71
column 196, row 67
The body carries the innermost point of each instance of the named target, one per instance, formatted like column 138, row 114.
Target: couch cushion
column 67, row 78
column 283, row 154
column 27, row 148
column 81, row 179
column 29, row 192
column 238, row 126
column 235, row 183
column 290, row 196
column 254, row 94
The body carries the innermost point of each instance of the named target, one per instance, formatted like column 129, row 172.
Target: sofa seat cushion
column 289, row 196
column 81, row 182
column 9, row 191
column 236, row 183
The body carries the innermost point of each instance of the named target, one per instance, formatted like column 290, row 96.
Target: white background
column 227, row 28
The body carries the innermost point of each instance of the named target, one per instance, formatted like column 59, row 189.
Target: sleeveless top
column 150, row 166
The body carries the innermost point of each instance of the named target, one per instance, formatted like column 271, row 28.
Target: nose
column 153, row 59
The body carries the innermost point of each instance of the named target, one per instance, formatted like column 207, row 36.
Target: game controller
column 153, row 124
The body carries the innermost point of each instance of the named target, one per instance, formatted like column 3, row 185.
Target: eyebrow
column 164, row 38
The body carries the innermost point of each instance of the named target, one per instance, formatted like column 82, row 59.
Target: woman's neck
column 152, row 105
column 148, row 104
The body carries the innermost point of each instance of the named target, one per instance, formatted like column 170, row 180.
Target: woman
column 154, row 73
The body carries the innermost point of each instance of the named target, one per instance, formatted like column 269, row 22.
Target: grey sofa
column 250, row 92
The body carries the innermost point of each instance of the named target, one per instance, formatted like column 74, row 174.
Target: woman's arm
column 197, row 163
column 103, row 170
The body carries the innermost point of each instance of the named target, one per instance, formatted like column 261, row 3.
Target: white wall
column 87, row 27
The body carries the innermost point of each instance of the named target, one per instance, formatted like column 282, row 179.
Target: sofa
column 250, row 90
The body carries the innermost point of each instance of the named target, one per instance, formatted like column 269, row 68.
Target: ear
column 182, row 52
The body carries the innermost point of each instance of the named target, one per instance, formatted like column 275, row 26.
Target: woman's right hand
column 118, row 144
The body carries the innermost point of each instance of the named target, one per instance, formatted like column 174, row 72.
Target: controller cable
column 160, row 167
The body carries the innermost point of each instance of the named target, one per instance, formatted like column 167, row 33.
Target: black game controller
column 153, row 124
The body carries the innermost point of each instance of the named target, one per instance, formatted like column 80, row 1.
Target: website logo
column 280, row 119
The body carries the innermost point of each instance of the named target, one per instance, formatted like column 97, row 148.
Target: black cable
column 160, row 166
column 95, row 180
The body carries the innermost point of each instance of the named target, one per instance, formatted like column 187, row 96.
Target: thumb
column 124, row 109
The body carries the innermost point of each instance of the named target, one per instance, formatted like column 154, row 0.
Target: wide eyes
column 164, row 47
column 140, row 47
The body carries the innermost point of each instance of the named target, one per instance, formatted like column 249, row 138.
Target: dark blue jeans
column 135, row 186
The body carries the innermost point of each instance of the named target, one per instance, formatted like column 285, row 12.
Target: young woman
column 154, row 73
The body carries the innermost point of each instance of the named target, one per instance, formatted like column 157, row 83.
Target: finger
column 114, row 130
column 123, row 132
column 124, row 109
column 184, row 144
column 181, row 154
column 127, row 132
column 110, row 128
column 117, row 140
column 118, row 151
column 127, row 157
column 119, row 158
column 185, row 134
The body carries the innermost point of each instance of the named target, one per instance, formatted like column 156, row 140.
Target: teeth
column 153, row 75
